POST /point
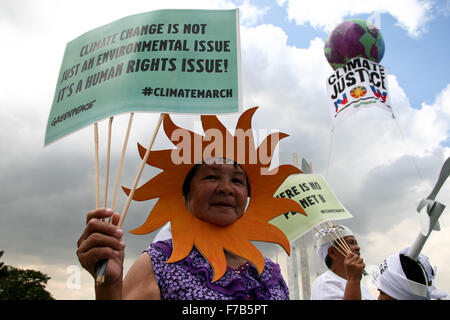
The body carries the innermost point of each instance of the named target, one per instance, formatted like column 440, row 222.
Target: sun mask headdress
column 188, row 230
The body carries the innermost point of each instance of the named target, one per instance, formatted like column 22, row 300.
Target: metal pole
column 293, row 272
column 306, row 280
column 303, row 254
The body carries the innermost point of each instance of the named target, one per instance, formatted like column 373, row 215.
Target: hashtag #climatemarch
column 188, row 93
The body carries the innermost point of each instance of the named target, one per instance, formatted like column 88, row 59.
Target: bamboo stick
column 331, row 241
column 97, row 185
column 122, row 157
column 335, row 239
column 108, row 156
column 339, row 237
column 141, row 168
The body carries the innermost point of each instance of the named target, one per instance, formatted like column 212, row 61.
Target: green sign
column 183, row 61
column 312, row 192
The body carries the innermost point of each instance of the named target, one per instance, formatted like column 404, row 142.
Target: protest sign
column 184, row 61
column 314, row 195
column 359, row 83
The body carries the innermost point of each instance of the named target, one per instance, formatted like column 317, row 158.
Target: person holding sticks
column 338, row 248
column 212, row 218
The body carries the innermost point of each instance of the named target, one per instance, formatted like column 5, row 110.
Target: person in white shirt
column 343, row 279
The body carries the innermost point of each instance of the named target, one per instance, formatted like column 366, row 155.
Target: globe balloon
column 351, row 39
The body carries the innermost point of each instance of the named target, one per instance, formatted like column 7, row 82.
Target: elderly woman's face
column 218, row 193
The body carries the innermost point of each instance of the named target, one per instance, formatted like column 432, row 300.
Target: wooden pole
column 122, row 157
column 339, row 237
column 141, row 168
column 332, row 242
column 101, row 277
column 97, row 185
column 108, row 156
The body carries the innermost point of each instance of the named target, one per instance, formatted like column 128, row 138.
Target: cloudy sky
column 378, row 167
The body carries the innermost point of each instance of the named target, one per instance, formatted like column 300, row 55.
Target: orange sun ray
column 265, row 232
column 182, row 245
column 167, row 181
column 273, row 207
column 158, row 216
column 160, row 158
column 245, row 120
column 269, row 144
column 273, row 179
column 212, row 250
column 248, row 251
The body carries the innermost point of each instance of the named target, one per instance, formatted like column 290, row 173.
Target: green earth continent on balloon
column 351, row 39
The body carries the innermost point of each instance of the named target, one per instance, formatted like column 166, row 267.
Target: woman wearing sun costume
column 203, row 191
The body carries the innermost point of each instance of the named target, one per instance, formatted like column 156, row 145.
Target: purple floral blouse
column 190, row 278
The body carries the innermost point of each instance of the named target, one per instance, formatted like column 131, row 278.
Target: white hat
column 433, row 292
column 391, row 279
column 324, row 236
column 431, row 272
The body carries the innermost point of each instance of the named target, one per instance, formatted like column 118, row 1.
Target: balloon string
column 407, row 147
column 330, row 151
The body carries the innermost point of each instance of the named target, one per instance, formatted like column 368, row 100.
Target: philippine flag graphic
column 342, row 101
